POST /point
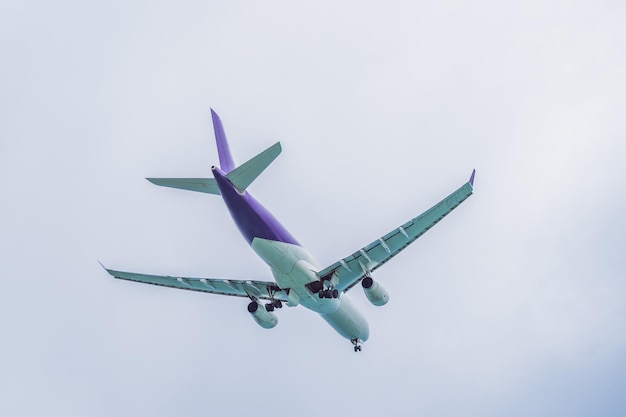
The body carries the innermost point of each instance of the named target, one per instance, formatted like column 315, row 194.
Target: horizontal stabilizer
column 203, row 185
column 242, row 176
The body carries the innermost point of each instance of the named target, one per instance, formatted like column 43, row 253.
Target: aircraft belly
column 302, row 273
column 280, row 256
column 348, row 321
column 293, row 267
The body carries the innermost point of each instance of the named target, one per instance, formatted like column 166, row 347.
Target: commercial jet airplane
column 298, row 278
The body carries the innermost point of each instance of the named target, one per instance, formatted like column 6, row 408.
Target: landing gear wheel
column 269, row 307
column 277, row 304
column 328, row 293
column 357, row 345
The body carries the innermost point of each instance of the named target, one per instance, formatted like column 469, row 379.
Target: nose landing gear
column 357, row 344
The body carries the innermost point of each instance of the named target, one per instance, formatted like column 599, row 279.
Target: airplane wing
column 347, row 272
column 251, row 289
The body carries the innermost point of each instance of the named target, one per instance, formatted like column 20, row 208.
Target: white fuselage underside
column 293, row 267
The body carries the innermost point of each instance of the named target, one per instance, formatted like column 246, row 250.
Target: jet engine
column 264, row 318
column 375, row 292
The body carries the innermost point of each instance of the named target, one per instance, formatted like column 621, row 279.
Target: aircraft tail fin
column 239, row 176
column 227, row 163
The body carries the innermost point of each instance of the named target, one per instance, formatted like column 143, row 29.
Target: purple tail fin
column 226, row 160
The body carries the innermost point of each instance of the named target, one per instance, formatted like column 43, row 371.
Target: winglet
column 226, row 160
column 105, row 268
column 471, row 181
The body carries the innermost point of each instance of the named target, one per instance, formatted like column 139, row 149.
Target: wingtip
column 471, row 181
column 109, row 271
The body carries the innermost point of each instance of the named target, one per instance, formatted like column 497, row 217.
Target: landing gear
column 273, row 304
column 357, row 344
column 323, row 288
column 329, row 293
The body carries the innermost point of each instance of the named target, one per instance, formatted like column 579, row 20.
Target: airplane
column 298, row 278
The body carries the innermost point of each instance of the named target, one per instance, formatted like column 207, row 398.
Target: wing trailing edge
column 255, row 290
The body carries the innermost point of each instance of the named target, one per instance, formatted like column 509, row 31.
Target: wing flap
column 238, row 288
column 348, row 271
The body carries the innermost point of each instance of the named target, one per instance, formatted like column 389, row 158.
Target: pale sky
column 514, row 305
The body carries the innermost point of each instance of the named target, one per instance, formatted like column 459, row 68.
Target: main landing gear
column 273, row 304
column 357, row 344
column 328, row 293
column 322, row 289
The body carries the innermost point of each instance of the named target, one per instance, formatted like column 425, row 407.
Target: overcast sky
column 514, row 305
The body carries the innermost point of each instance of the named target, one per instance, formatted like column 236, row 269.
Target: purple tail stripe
column 226, row 160
column 252, row 219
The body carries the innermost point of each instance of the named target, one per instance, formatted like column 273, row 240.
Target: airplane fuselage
column 292, row 265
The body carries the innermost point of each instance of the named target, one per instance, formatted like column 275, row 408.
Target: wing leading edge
column 256, row 290
column 347, row 272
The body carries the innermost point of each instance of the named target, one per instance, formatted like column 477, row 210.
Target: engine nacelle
column 374, row 292
column 264, row 318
